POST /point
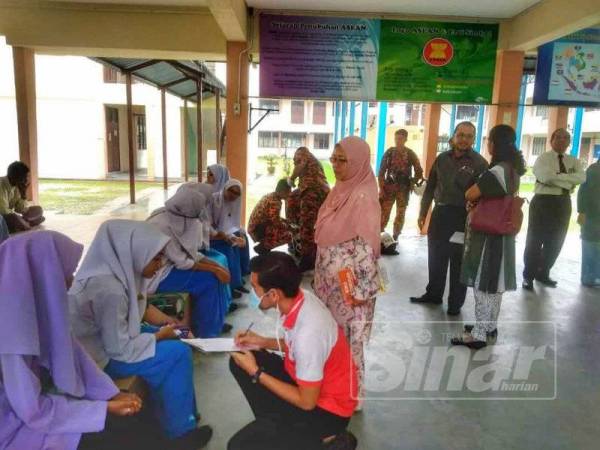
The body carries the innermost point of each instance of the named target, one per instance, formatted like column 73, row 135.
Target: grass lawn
column 84, row 196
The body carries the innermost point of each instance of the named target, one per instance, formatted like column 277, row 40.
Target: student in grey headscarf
column 187, row 270
column 107, row 306
column 217, row 175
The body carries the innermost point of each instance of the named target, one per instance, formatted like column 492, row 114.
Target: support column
column 430, row 143
column 452, row 120
column 576, row 140
column 352, row 118
column 381, row 131
column 163, row 113
column 186, row 141
column 130, row 142
column 336, row 127
column 480, row 119
column 199, row 130
column 507, row 88
column 558, row 117
column 218, row 123
column 344, row 114
column 25, row 96
column 237, row 114
column 364, row 114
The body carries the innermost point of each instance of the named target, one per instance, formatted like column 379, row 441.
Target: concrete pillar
column 558, row 117
column 577, row 128
column 237, row 114
column 24, row 68
column 507, row 88
column 364, row 113
column 430, row 143
column 381, row 132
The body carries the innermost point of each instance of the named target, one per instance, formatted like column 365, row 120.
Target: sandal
column 491, row 334
column 474, row 344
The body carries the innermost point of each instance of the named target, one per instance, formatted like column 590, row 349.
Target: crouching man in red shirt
column 305, row 399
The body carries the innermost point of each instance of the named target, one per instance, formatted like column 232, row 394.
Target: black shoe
column 475, row 345
column 236, row 294
column 195, row 439
column 528, row 284
column 491, row 334
column 425, row 299
column 546, row 281
column 343, row 441
column 243, row 290
column 226, row 328
column 453, row 312
column 233, row 307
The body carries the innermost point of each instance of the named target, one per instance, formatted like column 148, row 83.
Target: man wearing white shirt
column 557, row 174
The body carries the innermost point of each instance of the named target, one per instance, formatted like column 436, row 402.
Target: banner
column 437, row 62
column 568, row 70
column 318, row 57
column 370, row 59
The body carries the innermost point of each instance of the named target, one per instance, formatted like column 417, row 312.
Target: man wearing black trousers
column 557, row 174
column 453, row 172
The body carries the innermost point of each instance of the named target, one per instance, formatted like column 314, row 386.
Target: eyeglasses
column 335, row 159
column 465, row 136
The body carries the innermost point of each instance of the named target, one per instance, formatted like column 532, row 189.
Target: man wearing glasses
column 453, row 172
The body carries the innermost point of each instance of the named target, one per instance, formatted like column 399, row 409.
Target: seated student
column 186, row 269
column 205, row 232
column 52, row 394
column 230, row 239
column 3, row 230
column 266, row 225
column 217, row 175
column 305, row 400
column 107, row 306
column 13, row 206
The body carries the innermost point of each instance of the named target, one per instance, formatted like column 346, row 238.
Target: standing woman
column 186, row 269
column 347, row 236
column 303, row 204
column 489, row 259
column 588, row 206
column 52, row 394
column 230, row 238
column 107, row 306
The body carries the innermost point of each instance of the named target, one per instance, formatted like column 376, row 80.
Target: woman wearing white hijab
column 230, row 238
column 187, row 270
column 107, row 306
column 217, row 175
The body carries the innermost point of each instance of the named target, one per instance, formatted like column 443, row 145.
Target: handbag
column 498, row 215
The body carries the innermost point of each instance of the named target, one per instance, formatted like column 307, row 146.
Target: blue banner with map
column 568, row 70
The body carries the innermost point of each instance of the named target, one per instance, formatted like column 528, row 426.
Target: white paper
column 458, row 238
column 214, row 345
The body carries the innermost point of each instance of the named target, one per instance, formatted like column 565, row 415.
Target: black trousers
column 279, row 425
column 445, row 221
column 549, row 217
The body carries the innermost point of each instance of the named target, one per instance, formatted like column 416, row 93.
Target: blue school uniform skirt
column 238, row 259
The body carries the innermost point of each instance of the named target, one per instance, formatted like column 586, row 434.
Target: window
column 292, row 140
column 140, row 131
column 297, row 111
column 268, row 139
column 319, row 113
column 539, row 145
column 267, row 103
column 112, row 75
column 467, row 112
column 541, row 111
column 321, row 141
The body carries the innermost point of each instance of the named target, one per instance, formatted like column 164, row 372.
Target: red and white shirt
column 318, row 354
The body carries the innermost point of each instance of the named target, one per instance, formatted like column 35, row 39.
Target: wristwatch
column 257, row 374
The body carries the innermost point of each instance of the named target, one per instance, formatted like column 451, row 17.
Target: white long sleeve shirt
column 549, row 180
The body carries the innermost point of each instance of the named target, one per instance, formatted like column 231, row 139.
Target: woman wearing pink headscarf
column 347, row 237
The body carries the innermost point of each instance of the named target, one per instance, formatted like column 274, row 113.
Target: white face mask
column 278, row 324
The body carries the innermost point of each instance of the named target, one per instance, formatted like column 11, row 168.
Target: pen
column 248, row 329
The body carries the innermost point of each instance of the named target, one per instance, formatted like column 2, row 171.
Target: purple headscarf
column 34, row 268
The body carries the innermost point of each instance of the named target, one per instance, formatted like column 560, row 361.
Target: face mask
column 254, row 299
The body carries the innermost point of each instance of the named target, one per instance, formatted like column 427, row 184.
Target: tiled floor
column 434, row 418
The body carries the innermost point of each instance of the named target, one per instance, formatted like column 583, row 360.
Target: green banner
column 436, row 61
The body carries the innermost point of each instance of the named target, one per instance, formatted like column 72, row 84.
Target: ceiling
column 140, row 2
column 498, row 9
